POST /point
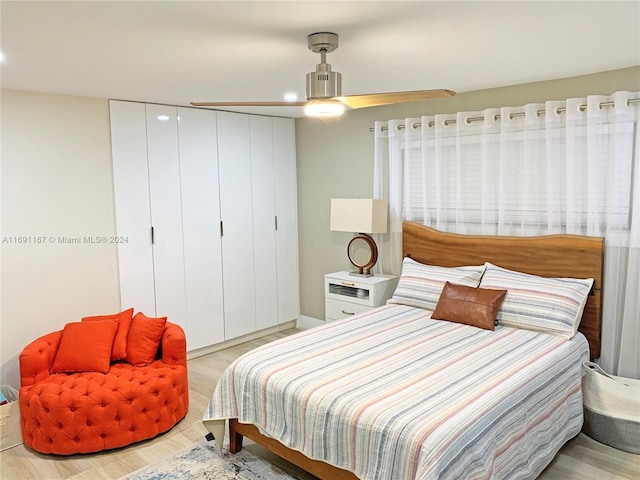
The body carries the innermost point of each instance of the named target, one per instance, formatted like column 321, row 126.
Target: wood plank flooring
column 580, row 459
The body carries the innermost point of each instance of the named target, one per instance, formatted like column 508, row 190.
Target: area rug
column 205, row 461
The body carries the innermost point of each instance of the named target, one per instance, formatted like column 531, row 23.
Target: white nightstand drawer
column 349, row 290
column 336, row 309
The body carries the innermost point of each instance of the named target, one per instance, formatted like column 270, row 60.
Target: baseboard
column 305, row 322
column 199, row 352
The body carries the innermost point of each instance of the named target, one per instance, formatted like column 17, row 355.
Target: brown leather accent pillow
column 477, row 307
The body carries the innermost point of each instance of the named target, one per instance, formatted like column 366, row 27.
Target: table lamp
column 362, row 216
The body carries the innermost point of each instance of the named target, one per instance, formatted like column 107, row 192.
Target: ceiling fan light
column 324, row 108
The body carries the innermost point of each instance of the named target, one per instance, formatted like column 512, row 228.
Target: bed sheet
column 393, row 395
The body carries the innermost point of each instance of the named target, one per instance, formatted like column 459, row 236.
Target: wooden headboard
column 546, row 256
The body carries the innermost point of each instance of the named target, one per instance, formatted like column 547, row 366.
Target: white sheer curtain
column 560, row 167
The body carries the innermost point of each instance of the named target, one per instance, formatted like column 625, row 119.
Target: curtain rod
column 497, row 117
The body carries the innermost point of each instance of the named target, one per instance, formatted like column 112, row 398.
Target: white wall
column 56, row 181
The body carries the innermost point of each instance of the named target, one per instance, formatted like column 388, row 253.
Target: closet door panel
column 201, row 226
column 234, row 157
column 286, row 204
column 133, row 211
column 166, row 212
column 264, row 227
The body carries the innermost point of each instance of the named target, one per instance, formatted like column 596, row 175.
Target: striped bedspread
column 393, row 395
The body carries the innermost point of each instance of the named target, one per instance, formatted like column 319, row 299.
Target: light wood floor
column 580, row 459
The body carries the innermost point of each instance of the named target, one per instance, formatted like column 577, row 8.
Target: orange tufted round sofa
column 90, row 411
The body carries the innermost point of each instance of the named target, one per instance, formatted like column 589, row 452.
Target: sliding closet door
column 264, row 221
column 133, row 210
column 286, row 204
column 201, row 226
column 234, row 157
column 166, row 212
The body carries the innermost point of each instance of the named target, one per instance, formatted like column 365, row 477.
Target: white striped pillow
column 420, row 285
column 551, row 305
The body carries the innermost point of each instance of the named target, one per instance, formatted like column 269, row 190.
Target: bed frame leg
column 235, row 439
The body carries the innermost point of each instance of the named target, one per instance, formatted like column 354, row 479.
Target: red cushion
column 119, row 350
column 85, row 347
column 144, row 338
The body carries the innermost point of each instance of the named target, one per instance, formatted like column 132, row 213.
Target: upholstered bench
column 82, row 412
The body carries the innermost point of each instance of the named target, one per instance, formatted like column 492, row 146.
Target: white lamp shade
column 359, row 215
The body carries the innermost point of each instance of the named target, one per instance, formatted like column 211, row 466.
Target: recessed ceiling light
column 2, row 57
column 163, row 118
column 290, row 97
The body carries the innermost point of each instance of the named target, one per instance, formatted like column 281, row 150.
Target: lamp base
column 364, row 269
column 357, row 274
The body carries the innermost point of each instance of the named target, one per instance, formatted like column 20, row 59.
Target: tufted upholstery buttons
column 88, row 412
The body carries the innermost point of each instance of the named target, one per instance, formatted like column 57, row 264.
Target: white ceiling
column 175, row 52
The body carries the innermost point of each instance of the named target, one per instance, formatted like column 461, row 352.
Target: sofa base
column 88, row 412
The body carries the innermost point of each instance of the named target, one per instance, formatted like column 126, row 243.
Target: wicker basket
column 611, row 408
column 10, row 434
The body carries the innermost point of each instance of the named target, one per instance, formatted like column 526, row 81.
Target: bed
column 393, row 394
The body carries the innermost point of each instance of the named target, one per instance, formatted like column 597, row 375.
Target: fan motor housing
column 323, row 83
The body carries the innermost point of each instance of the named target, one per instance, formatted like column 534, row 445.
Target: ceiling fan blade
column 248, row 104
column 377, row 99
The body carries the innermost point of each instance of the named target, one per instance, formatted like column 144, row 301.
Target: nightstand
column 347, row 295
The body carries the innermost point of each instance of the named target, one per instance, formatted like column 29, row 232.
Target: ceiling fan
column 324, row 88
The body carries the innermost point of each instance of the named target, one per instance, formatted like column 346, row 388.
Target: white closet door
column 286, row 201
column 201, row 226
column 166, row 212
column 264, row 222
column 133, row 211
column 234, row 157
